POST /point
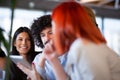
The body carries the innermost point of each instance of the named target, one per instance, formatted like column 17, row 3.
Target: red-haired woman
column 88, row 58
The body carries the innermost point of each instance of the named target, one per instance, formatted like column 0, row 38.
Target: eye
column 20, row 39
column 28, row 39
column 42, row 35
column 50, row 32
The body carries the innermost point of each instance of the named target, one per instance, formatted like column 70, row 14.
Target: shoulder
column 37, row 52
column 75, row 46
column 37, row 56
column 75, row 50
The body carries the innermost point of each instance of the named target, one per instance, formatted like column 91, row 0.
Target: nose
column 24, row 41
column 48, row 37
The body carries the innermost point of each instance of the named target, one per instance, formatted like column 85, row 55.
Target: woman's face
column 22, row 43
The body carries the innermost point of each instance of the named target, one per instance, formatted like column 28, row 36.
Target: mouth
column 47, row 42
column 24, row 47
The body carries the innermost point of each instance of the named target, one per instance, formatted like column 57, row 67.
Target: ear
column 14, row 43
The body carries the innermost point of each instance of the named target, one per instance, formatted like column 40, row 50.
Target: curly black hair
column 38, row 26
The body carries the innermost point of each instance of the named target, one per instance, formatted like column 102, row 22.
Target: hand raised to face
column 49, row 51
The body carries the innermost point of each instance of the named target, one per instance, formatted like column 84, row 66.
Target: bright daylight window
column 111, row 32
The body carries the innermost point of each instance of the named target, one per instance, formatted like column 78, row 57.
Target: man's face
column 46, row 35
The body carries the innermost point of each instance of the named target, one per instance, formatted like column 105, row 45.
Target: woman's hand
column 31, row 73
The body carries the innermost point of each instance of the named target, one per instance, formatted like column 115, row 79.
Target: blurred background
column 16, row 13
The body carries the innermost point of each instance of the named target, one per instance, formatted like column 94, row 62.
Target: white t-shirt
column 92, row 62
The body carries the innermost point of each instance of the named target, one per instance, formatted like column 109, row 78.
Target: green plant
column 12, row 7
column 4, row 41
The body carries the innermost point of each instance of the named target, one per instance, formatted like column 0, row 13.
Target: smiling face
column 22, row 43
column 46, row 35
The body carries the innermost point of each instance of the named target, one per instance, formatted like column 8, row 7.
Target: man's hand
column 49, row 51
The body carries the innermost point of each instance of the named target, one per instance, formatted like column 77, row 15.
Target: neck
column 24, row 56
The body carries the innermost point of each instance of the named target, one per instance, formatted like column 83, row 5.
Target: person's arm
column 42, row 60
column 39, row 62
column 52, row 57
column 58, row 69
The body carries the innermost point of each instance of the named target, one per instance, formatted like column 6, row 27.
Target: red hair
column 71, row 21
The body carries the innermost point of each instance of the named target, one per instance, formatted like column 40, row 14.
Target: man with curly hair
column 42, row 33
column 42, row 30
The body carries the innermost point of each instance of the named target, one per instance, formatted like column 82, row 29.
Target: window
column 111, row 32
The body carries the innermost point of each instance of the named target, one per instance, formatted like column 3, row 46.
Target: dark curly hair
column 38, row 26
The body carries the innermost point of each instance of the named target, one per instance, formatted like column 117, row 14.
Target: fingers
column 28, row 78
column 48, row 49
column 33, row 67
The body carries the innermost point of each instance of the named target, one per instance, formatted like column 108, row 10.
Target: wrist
column 54, row 61
column 42, row 62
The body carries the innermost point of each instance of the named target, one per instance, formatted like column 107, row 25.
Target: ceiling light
column 87, row 1
column 31, row 4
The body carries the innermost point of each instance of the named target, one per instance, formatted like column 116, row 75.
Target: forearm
column 42, row 61
column 39, row 62
column 41, row 69
column 58, row 69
